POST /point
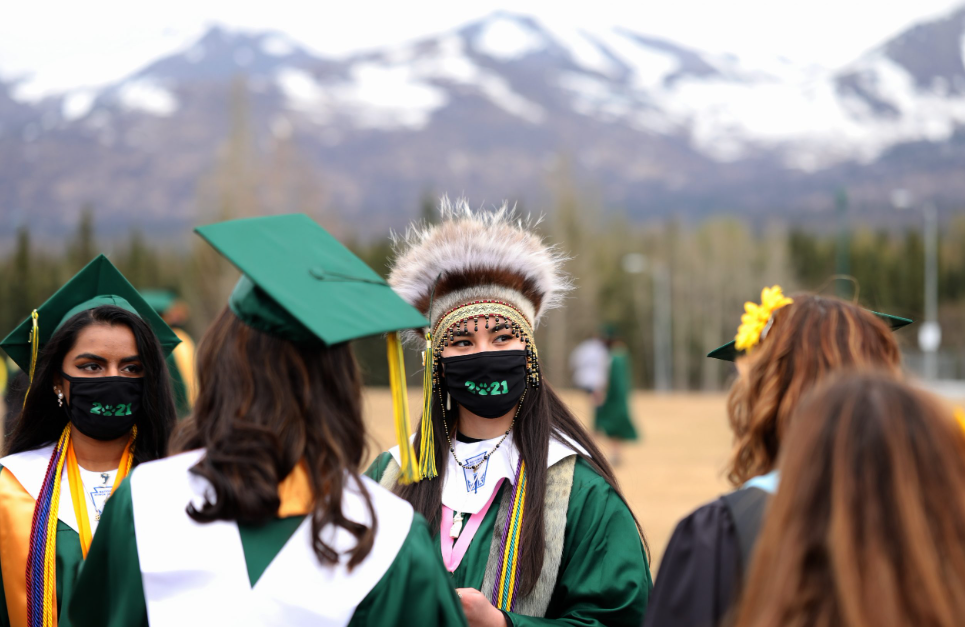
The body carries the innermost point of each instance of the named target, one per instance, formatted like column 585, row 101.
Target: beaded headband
column 502, row 313
column 442, row 334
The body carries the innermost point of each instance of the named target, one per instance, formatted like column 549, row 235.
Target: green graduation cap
column 728, row 352
column 299, row 283
column 99, row 283
column 159, row 300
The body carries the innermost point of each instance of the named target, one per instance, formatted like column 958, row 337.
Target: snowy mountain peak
column 486, row 107
column 221, row 54
column 508, row 37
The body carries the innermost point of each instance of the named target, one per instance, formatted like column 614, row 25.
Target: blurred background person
column 99, row 404
column 784, row 347
column 613, row 418
column 181, row 363
column 263, row 518
column 589, row 365
column 868, row 525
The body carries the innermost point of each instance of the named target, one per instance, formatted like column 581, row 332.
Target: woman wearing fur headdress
column 529, row 517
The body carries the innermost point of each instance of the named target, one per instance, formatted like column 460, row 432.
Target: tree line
column 712, row 268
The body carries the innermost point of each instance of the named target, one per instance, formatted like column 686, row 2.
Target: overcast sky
column 65, row 44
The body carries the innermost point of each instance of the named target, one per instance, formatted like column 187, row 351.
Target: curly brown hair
column 808, row 340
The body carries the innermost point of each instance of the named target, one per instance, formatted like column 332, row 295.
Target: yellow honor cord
column 77, row 489
column 400, row 409
column 48, row 616
column 427, row 448
column 34, row 351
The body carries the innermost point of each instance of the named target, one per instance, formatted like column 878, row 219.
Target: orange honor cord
column 80, row 503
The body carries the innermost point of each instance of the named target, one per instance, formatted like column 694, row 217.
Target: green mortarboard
column 159, row 300
column 728, row 352
column 300, row 283
column 99, row 283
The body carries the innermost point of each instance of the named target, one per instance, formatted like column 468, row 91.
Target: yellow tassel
column 34, row 351
column 427, row 451
column 400, row 410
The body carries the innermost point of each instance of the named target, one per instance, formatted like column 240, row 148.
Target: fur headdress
column 476, row 255
column 468, row 269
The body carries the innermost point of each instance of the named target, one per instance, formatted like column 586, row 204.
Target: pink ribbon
column 453, row 552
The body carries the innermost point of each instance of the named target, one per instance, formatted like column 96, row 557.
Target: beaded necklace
column 452, row 449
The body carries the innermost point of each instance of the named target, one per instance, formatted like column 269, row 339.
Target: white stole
column 195, row 574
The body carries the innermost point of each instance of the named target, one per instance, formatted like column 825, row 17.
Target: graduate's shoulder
column 714, row 513
column 377, row 468
column 709, row 525
column 586, row 478
column 26, row 468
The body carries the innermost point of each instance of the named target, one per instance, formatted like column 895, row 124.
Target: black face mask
column 488, row 384
column 104, row 408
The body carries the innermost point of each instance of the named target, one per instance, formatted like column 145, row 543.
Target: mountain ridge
column 489, row 109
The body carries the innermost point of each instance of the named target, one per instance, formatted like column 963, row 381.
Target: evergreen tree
column 83, row 248
column 20, row 286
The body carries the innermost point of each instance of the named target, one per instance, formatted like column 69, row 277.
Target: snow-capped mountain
column 486, row 110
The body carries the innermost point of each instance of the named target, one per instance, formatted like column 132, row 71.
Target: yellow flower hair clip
column 756, row 317
column 960, row 417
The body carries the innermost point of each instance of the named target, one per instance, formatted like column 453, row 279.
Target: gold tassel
column 34, row 351
column 400, row 409
column 427, row 450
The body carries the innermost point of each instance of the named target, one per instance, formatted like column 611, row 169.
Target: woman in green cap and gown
column 263, row 518
column 612, row 417
column 98, row 404
column 523, row 507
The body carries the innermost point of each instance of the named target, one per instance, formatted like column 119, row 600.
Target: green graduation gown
column 613, row 416
column 68, row 556
column 414, row 591
column 603, row 580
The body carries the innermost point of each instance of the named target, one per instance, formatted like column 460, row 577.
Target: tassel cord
column 400, row 410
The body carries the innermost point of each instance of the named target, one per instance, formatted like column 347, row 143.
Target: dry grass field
column 676, row 466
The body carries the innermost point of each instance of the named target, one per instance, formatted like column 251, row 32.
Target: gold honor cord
column 427, row 448
column 77, row 494
column 400, row 409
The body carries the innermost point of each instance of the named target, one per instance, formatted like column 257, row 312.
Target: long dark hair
column 264, row 404
column 542, row 415
column 42, row 421
column 868, row 526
